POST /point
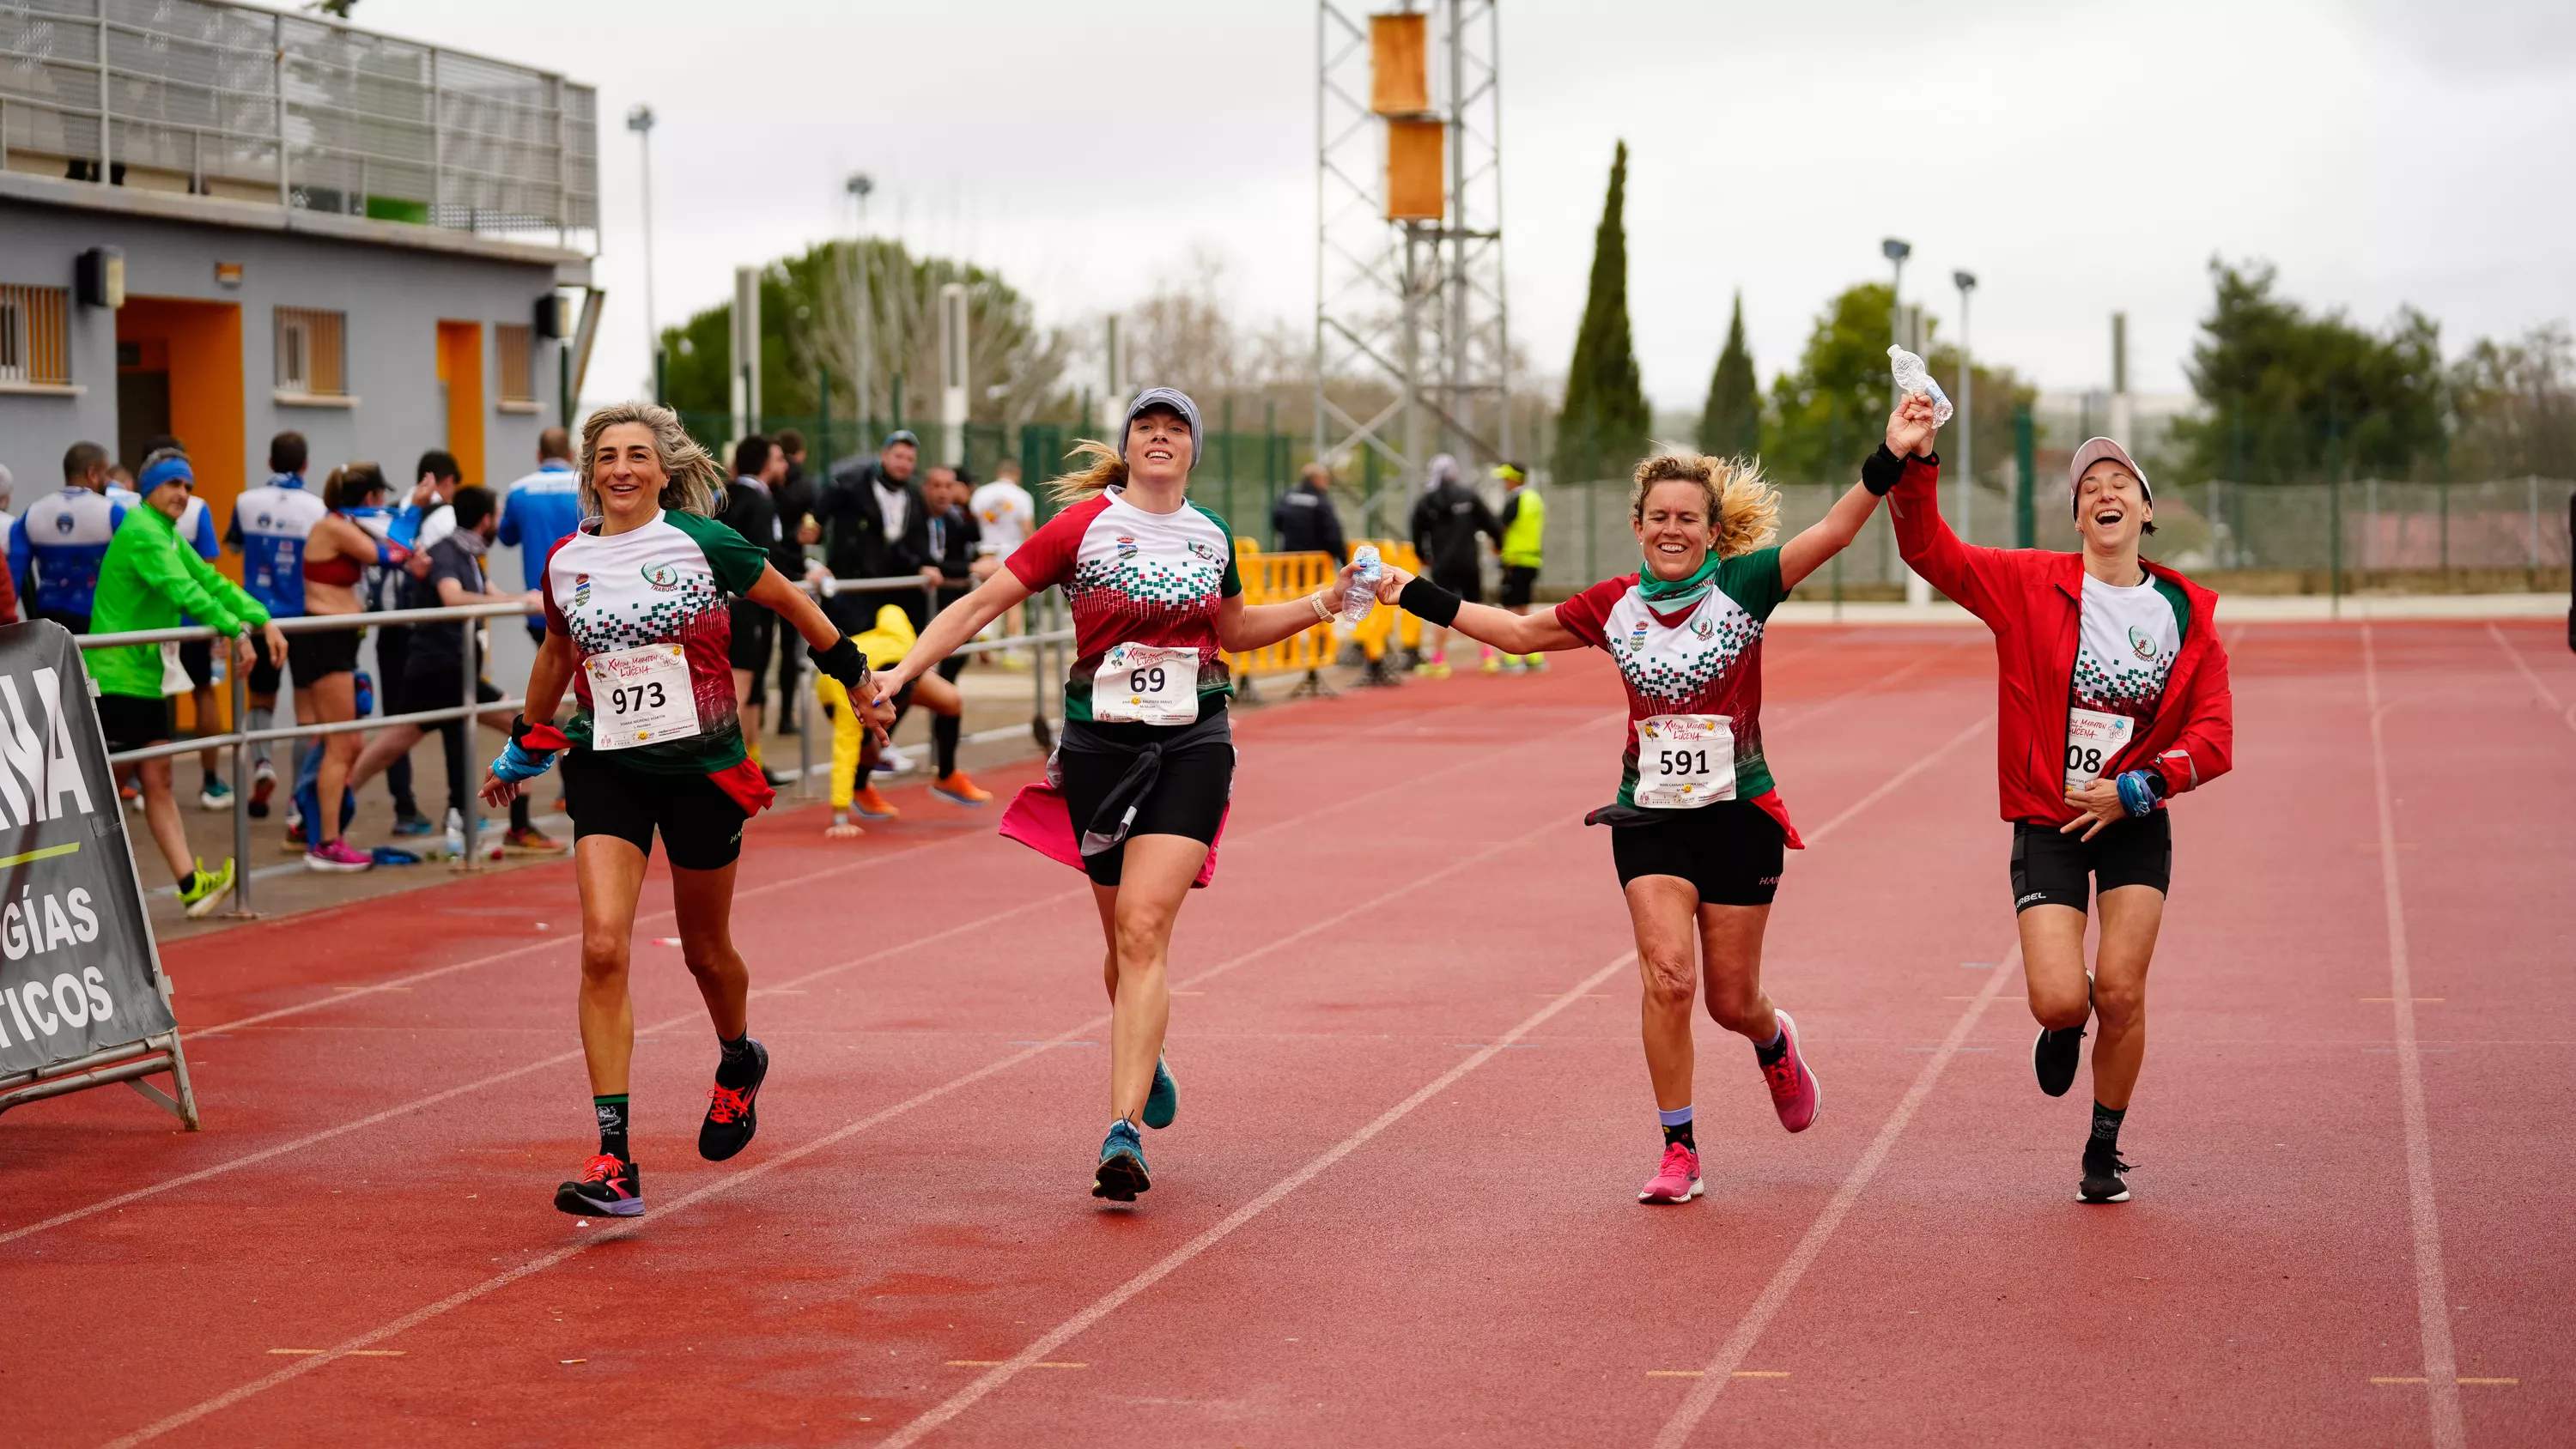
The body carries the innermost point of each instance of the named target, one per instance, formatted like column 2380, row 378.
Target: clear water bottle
column 1363, row 594
column 1913, row 377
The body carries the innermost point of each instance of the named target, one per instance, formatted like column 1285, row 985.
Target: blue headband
column 165, row 471
column 1173, row 399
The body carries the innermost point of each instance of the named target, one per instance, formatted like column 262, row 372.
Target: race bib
column 1685, row 761
column 2093, row 741
column 640, row 697
column 1142, row 684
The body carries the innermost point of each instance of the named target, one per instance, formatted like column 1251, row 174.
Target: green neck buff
column 1666, row 597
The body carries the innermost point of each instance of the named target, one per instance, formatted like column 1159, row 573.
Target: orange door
column 460, row 368
column 197, row 346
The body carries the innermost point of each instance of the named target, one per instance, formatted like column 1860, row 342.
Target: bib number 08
column 2093, row 740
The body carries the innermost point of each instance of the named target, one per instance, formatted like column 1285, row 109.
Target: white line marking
column 2432, row 1296
column 1909, row 772
column 986, row 1382
column 2566, row 713
column 1721, row 1370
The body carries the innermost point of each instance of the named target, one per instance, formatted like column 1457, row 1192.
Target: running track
column 1398, row 1206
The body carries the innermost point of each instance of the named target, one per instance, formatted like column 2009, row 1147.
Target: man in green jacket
column 149, row 578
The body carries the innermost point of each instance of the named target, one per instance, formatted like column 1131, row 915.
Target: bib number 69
column 1145, row 681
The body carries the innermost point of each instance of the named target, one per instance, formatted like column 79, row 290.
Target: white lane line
column 1720, row 1370
column 2567, row 713
column 1909, row 772
column 1110, row 1302
column 2432, row 1295
column 729, row 1182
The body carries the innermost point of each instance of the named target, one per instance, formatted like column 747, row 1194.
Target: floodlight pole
column 1918, row 592
column 1966, row 282
column 862, row 340
column 640, row 121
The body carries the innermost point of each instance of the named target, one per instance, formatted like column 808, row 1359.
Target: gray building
column 224, row 222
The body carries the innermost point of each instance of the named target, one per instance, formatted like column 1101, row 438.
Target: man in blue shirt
column 268, row 529
column 55, row 550
column 539, row 510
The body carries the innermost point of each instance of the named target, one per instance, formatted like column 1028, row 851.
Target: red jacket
column 2032, row 599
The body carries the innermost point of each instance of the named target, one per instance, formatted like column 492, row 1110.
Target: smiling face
column 627, row 473
column 1674, row 528
column 1158, row 447
column 170, row 499
column 2111, row 508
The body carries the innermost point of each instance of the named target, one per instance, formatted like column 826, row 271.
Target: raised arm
column 1828, row 536
column 1908, row 472
column 955, row 625
column 1242, row 627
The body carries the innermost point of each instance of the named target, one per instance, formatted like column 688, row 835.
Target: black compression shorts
column 263, row 669
column 1189, row 799
column 1467, row 583
column 1731, row 851
column 197, row 656
column 2050, row 868
column 701, row 825
column 131, row 721
column 316, row 654
column 1519, row 580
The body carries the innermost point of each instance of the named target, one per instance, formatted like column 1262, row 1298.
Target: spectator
column 794, row 496
column 435, row 665
column 758, row 466
column 336, row 559
column 268, row 528
column 151, row 579
column 871, row 523
column 197, row 657
column 1305, row 520
column 55, row 550
column 1005, row 515
column 539, row 510
column 388, row 588
column 1446, row 520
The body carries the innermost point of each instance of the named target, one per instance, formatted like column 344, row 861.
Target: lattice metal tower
column 1412, row 346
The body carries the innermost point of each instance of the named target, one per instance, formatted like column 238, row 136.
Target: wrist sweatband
column 1880, row 470
column 843, row 662
column 1429, row 602
column 2140, row 790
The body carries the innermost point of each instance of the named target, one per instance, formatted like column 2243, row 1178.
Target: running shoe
column 1534, row 663
column 530, row 841
column 871, row 805
column 1122, row 1164
column 606, row 1188
column 2102, row 1180
column 130, row 793
column 730, row 1116
column 292, row 842
column 2054, row 1057
column 263, row 783
column 205, row 890
column 413, row 823
column 338, row 855
column 1164, row 1101
column 1792, row 1082
column 1677, row 1180
column 1491, row 665
column 892, row 761
column 1432, row 669
column 216, row 796
column 956, row 789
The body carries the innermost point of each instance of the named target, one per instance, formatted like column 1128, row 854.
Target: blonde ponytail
column 1106, row 470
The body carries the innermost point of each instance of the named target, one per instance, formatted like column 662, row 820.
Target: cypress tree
column 1730, row 426
column 1602, row 428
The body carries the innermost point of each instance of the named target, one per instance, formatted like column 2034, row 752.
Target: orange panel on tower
column 1399, row 65
column 1416, row 176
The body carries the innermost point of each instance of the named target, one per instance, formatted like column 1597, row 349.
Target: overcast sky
column 2079, row 158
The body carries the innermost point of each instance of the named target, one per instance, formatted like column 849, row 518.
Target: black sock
column 2106, row 1132
column 1778, row 1048
column 734, row 1068
column 943, row 738
column 612, row 1125
column 519, row 811
column 1681, row 1132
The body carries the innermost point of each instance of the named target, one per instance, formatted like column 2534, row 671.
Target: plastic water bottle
column 1913, row 377
column 1363, row 594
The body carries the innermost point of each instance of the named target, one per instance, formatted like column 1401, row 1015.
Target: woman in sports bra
column 337, row 554
column 1138, row 787
column 1698, row 832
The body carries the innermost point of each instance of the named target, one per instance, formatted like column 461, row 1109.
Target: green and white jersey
column 2128, row 640
column 666, row 583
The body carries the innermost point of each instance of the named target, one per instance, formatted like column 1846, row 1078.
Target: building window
column 34, row 350
column 310, row 359
column 517, row 344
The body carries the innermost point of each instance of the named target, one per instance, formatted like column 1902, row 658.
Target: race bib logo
column 2138, row 641
column 663, row 577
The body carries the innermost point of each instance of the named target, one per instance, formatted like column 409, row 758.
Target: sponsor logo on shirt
column 1126, row 548
column 1703, row 626
column 663, row 577
column 1203, row 549
column 62, row 523
column 580, row 590
column 2138, row 641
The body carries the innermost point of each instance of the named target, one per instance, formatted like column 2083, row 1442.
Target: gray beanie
column 1165, row 397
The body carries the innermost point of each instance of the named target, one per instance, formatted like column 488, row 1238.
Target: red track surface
column 1398, row 1206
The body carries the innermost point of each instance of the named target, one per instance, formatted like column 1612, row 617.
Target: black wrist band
column 1880, row 470
column 519, row 728
column 843, row 662
column 1429, row 602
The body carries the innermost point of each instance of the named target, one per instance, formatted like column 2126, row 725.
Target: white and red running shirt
column 1705, row 659
column 1134, row 577
column 665, row 583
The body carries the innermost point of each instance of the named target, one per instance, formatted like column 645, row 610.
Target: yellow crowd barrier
column 1272, row 578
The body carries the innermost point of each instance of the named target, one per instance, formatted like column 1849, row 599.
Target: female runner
column 337, row 554
column 1140, row 780
column 1698, row 833
column 2116, row 662
column 637, row 624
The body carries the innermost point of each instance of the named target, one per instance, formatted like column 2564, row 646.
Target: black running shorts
column 1731, row 851
column 1519, row 581
column 2049, row 867
column 1467, row 583
column 264, row 666
column 316, row 654
column 197, row 656
column 701, row 825
column 1189, row 799
column 132, row 721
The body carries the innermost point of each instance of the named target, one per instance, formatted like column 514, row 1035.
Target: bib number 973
column 640, row 697
column 1684, row 761
column 1146, row 684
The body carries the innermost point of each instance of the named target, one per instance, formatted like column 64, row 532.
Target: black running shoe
column 2055, row 1056
column 1122, row 1165
column 2102, row 1179
column 730, row 1118
column 607, row 1188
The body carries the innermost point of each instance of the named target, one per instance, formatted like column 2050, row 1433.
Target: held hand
column 880, row 719
column 2100, row 802
column 886, row 687
column 1390, row 583
column 1909, row 428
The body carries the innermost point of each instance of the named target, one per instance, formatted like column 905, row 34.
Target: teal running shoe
column 1164, row 1099
column 1122, row 1164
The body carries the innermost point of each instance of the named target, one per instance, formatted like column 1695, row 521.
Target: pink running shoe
column 1677, row 1180
column 337, row 855
column 1792, row 1082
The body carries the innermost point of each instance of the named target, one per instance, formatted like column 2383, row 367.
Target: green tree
column 2293, row 396
column 1601, row 430
column 1730, row 425
column 1826, row 415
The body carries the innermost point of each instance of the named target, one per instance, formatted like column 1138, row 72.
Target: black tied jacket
column 1306, row 523
column 954, row 533
column 856, row 545
column 795, row 499
column 1445, row 525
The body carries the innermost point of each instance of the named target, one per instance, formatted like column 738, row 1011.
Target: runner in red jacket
column 2112, row 696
